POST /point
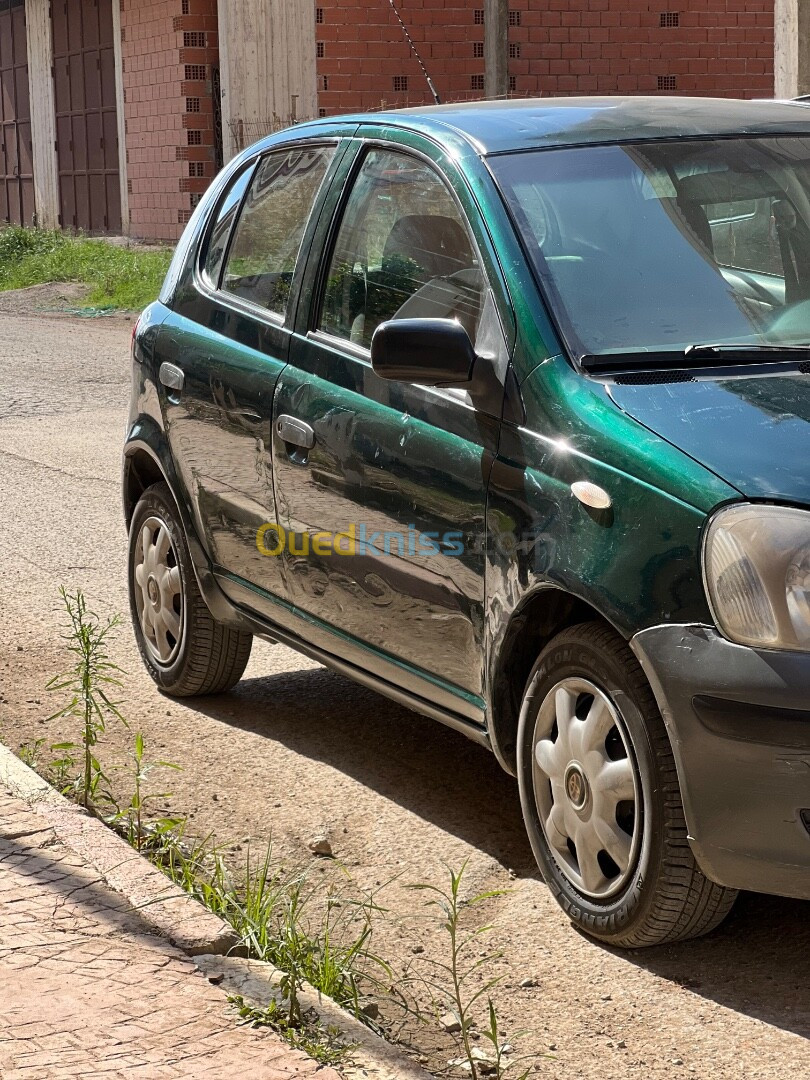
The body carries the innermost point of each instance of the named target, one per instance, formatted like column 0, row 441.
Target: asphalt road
column 296, row 750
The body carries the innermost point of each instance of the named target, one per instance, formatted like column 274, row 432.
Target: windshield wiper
column 693, row 356
column 742, row 349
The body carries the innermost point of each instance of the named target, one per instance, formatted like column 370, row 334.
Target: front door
column 383, row 513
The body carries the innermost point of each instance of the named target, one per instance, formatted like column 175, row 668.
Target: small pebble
column 319, row 845
column 450, row 1023
column 525, row 983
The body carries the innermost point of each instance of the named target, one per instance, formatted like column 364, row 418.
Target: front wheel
column 184, row 648
column 601, row 799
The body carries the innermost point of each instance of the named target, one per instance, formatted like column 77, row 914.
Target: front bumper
column 739, row 723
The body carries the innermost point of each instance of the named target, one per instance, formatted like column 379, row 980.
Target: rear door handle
column 294, row 431
column 171, row 376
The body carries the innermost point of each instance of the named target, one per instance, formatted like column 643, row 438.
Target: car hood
column 753, row 432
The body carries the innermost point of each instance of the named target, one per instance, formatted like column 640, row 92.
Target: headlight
column 756, row 564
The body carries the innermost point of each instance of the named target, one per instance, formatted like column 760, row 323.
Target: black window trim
column 313, row 331
column 205, row 234
column 230, row 300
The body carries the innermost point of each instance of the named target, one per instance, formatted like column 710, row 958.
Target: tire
column 185, row 650
column 608, row 831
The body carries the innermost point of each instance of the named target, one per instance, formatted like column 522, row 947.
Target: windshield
column 663, row 245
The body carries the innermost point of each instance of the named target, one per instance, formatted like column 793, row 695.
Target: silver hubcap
column 586, row 788
column 158, row 590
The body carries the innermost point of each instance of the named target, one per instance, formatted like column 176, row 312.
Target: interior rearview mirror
column 433, row 352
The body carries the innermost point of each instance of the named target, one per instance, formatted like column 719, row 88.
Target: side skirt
column 270, row 631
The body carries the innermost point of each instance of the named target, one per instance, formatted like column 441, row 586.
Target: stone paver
column 86, row 992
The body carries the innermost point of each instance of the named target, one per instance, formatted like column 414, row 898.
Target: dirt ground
column 296, row 750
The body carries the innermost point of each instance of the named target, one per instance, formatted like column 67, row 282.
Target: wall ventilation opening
column 514, row 51
column 670, row 18
column 320, row 49
column 477, row 82
column 318, row 14
column 195, row 72
column 478, row 49
column 479, row 17
column 192, row 104
column 514, row 18
column 195, row 138
column 667, row 82
column 400, row 84
column 194, row 39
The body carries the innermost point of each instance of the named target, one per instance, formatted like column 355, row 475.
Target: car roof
column 492, row 127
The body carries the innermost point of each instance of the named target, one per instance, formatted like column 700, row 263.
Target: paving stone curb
column 185, row 923
column 258, row 983
column 165, row 908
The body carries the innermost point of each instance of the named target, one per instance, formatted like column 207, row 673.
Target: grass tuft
column 118, row 277
column 323, row 1043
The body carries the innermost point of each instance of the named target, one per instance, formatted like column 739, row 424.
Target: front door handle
column 294, row 431
column 171, row 376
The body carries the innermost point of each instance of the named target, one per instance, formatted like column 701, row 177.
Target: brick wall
column 722, row 47
column 168, row 49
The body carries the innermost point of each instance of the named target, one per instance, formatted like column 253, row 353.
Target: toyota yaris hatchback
column 504, row 410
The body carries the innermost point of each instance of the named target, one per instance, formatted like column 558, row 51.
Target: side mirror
column 433, row 352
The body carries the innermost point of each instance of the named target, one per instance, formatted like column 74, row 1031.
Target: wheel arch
column 540, row 616
column 141, row 469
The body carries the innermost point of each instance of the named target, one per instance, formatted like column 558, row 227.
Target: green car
column 503, row 410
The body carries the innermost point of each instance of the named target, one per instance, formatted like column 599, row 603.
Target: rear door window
column 265, row 245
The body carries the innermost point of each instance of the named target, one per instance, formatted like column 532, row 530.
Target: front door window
column 403, row 251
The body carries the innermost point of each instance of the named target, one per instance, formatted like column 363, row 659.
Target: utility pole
column 496, row 48
column 791, row 53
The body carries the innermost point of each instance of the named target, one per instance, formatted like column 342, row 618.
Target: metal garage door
column 16, row 163
column 86, row 126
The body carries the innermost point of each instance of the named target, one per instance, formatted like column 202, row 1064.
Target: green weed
column 86, row 684
column 131, row 818
column 450, row 980
column 321, row 1042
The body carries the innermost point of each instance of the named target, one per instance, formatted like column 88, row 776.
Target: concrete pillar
column 496, row 48
column 791, row 53
column 119, row 116
column 43, row 112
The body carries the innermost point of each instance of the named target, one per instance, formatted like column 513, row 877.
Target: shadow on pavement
column 757, row 963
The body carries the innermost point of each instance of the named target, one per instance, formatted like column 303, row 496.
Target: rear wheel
column 601, row 799
column 185, row 650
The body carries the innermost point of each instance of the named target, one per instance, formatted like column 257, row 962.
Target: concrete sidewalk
column 86, row 991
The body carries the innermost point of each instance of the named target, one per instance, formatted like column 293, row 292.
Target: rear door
column 223, row 347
